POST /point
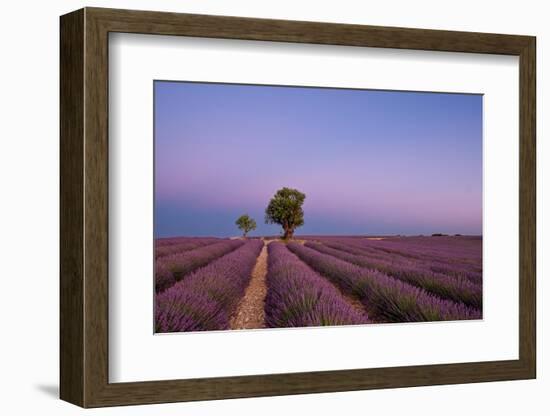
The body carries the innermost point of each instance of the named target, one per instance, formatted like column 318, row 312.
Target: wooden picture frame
column 84, row 207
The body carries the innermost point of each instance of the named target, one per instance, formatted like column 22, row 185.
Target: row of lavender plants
column 466, row 250
column 443, row 263
column 172, row 268
column 462, row 246
column 454, row 288
column 206, row 298
column 437, row 250
column 389, row 298
column 169, row 241
column 299, row 297
column 184, row 245
column 446, row 258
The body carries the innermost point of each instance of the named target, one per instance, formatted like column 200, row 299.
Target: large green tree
column 285, row 209
column 246, row 224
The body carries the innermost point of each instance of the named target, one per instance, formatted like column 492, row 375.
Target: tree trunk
column 289, row 232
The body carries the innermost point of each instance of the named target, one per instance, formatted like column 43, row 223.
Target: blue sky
column 369, row 162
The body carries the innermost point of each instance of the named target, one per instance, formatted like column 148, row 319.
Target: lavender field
column 326, row 206
column 204, row 284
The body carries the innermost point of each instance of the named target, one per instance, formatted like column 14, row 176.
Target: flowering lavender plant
column 182, row 245
column 206, row 298
column 455, row 288
column 391, row 299
column 298, row 297
column 170, row 269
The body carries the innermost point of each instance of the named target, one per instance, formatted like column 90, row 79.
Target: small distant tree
column 246, row 224
column 285, row 209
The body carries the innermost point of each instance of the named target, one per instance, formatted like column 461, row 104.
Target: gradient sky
column 369, row 162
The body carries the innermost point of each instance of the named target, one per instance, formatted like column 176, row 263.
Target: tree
column 246, row 224
column 285, row 209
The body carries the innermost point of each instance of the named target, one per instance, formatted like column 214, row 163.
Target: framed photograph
column 254, row 207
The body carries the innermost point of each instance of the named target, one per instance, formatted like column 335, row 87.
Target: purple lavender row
column 390, row 299
column 438, row 264
column 436, row 250
column 169, row 241
column 445, row 259
column 463, row 246
column 205, row 299
column 441, row 264
column 190, row 244
column 170, row 269
column 299, row 297
column 457, row 289
column 462, row 250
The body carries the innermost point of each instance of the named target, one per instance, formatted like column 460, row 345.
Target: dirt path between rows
column 250, row 311
column 354, row 302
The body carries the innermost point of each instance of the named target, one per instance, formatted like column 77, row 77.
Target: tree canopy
column 285, row 209
column 246, row 224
